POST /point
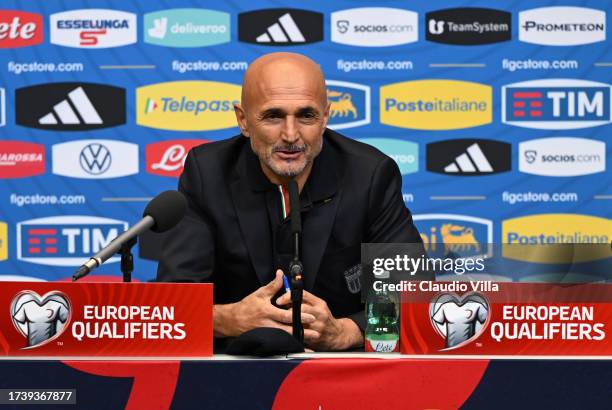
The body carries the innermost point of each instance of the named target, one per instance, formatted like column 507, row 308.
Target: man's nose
column 290, row 131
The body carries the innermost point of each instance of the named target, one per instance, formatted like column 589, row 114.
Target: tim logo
column 450, row 235
column 556, row 104
column 40, row 319
column 459, row 320
column 65, row 240
column 93, row 28
column 167, row 158
column 350, row 104
column 20, row 29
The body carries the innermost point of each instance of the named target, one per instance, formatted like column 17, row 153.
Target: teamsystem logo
column 459, row 320
column 562, row 156
column 20, row 29
column 455, row 235
column 404, row 153
column 93, row 28
column 40, row 319
column 468, row 26
column 70, row 106
column 65, row 240
column 374, row 27
column 167, row 158
column 562, row 26
column 20, row 159
column 466, row 157
column 556, row 104
column 280, row 27
column 435, row 104
column 187, row 105
column 350, row 104
column 187, row 28
column 95, row 159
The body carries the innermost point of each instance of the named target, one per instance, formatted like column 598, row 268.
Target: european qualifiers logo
column 374, row 27
column 167, row 158
column 468, row 26
column 459, row 320
column 65, row 240
column 20, row 29
column 95, row 159
column 40, row 319
column 20, row 159
column 404, row 153
column 93, row 28
column 187, row 28
column 70, row 106
column 562, row 156
column 280, row 27
column 469, row 157
column 556, row 104
column 562, row 26
column 350, row 104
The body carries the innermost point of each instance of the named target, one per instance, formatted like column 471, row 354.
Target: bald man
column 237, row 233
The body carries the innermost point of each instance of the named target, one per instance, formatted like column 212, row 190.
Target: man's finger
column 273, row 287
column 285, row 299
column 311, row 336
column 286, row 316
column 311, row 299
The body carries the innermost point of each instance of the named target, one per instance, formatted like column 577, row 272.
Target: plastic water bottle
column 382, row 331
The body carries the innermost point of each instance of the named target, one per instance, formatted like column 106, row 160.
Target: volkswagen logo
column 95, row 159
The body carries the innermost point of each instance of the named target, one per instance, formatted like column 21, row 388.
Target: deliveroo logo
column 404, row 153
column 187, row 28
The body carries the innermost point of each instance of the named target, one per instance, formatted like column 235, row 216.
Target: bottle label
column 382, row 346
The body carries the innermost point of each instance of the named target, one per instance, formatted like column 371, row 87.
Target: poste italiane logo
column 552, row 229
column 436, row 104
column 187, row 105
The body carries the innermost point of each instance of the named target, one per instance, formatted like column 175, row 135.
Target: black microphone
column 162, row 213
column 295, row 267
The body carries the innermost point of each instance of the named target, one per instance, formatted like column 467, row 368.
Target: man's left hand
column 329, row 333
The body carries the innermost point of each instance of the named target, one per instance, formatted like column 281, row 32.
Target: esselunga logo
column 562, row 156
column 562, row 26
column 436, row 104
column 404, row 153
column 187, row 105
column 187, row 27
column 554, row 229
column 350, row 104
column 93, row 28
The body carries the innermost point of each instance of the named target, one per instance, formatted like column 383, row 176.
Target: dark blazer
column 352, row 195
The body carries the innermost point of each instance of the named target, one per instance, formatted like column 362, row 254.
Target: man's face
column 285, row 120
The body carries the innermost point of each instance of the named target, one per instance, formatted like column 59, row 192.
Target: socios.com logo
column 187, row 28
column 436, row 104
column 556, row 229
column 562, row 156
column 65, row 240
column 556, row 104
column 455, row 235
column 404, row 153
column 187, row 105
column 562, row 26
column 374, row 27
column 93, row 28
column 350, row 104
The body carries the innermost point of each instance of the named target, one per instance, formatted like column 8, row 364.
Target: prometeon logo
column 350, row 104
column 187, row 28
column 466, row 157
column 374, row 27
column 95, row 159
column 70, row 106
column 167, row 158
column 93, row 28
column 556, row 104
column 562, row 26
column 468, row 26
column 280, row 27
column 436, row 104
column 562, row 156
column 20, row 159
column 65, row 240
column 20, row 29
column 187, row 105
column 404, row 153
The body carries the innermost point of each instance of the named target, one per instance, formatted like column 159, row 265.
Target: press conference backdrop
column 499, row 119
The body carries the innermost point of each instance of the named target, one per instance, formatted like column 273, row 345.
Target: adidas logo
column 65, row 113
column 471, row 161
column 282, row 32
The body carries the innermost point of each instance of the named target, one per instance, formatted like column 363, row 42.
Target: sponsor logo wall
column 474, row 104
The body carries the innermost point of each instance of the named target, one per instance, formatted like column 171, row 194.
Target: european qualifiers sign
column 468, row 26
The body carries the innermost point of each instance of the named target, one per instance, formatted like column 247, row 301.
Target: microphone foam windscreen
column 167, row 209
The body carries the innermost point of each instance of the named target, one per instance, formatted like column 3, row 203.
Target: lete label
column 562, row 157
column 20, row 29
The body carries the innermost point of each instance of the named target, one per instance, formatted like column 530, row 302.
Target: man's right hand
column 255, row 310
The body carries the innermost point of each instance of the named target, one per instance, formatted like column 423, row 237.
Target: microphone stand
column 127, row 259
column 295, row 267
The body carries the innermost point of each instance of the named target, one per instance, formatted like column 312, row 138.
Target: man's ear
column 242, row 119
column 326, row 114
